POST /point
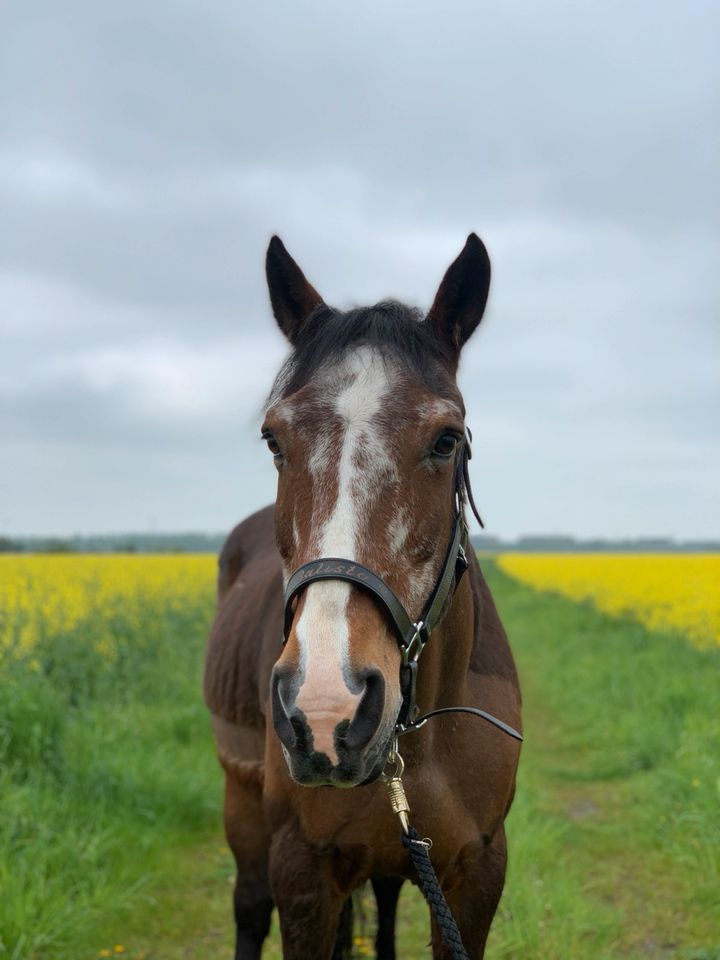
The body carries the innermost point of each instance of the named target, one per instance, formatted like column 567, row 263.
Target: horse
column 366, row 427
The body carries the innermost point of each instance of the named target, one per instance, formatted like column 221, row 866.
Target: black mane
column 395, row 330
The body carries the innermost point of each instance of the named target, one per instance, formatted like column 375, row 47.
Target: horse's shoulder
column 248, row 623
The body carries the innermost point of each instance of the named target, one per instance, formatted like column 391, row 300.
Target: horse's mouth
column 314, row 769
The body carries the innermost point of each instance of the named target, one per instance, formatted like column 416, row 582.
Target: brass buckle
column 392, row 779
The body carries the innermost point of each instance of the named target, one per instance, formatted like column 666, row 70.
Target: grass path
column 186, row 912
column 614, row 833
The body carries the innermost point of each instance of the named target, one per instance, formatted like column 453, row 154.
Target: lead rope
column 419, row 850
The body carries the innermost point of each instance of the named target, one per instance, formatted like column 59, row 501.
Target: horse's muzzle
column 358, row 743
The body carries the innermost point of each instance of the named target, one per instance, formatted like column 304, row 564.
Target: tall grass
column 104, row 763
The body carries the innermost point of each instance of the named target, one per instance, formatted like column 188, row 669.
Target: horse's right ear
column 293, row 299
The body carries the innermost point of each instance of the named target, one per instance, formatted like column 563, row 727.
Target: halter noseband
column 411, row 635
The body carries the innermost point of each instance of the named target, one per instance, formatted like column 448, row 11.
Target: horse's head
column 364, row 423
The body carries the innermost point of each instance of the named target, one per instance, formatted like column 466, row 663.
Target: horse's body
column 305, row 848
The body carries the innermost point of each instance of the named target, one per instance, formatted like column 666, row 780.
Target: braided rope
column 432, row 892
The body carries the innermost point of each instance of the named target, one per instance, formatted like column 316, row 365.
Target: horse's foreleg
column 476, row 885
column 387, row 892
column 344, row 937
column 308, row 900
column 249, row 841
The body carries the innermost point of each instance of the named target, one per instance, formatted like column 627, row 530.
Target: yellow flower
column 118, row 948
column 104, row 953
column 695, row 782
column 663, row 591
column 46, row 595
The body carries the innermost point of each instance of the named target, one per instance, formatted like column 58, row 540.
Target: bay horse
column 366, row 427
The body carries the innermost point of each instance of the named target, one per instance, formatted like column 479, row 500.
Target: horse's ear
column 460, row 301
column 293, row 299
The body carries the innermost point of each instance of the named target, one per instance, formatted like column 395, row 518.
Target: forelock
column 392, row 330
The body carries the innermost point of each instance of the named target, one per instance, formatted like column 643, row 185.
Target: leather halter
column 411, row 635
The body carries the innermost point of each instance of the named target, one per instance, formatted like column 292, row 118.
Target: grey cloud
column 147, row 152
column 559, row 96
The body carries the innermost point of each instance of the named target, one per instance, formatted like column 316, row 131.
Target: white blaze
column 322, row 630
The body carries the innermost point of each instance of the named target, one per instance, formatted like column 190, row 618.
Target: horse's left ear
column 460, row 301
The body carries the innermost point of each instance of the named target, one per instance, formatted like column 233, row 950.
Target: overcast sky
column 149, row 150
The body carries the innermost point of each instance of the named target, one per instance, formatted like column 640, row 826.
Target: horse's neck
column 470, row 637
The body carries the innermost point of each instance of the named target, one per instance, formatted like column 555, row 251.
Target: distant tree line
column 549, row 543
column 116, row 543
column 211, row 543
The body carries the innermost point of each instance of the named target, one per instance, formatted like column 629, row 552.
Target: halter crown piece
column 411, row 635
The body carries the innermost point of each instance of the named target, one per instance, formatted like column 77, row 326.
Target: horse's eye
column 273, row 445
column 445, row 445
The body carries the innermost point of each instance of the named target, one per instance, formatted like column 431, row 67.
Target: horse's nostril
column 281, row 721
column 300, row 729
column 369, row 713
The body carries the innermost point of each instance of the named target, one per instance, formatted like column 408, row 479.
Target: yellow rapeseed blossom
column 679, row 592
column 43, row 595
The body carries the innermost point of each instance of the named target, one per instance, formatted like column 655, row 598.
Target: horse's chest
column 359, row 825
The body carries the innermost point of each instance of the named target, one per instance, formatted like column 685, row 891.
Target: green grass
column 110, row 797
column 104, row 766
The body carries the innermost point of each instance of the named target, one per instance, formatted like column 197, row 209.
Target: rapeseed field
column 43, row 596
column 673, row 592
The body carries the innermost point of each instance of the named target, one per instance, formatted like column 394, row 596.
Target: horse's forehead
column 364, row 388
column 353, row 387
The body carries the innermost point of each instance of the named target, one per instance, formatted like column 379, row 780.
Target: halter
column 411, row 635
